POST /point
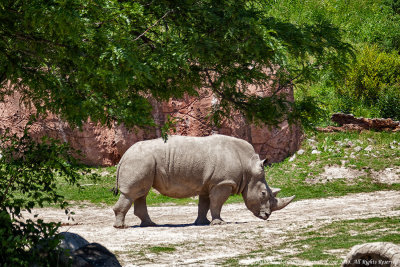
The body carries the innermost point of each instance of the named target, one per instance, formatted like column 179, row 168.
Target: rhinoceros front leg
column 218, row 196
column 140, row 210
column 204, row 206
column 120, row 209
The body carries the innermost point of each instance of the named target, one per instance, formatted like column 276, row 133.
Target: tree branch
column 154, row 24
column 290, row 81
column 147, row 41
column 240, row 104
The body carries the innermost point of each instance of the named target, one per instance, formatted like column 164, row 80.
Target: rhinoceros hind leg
column 140, row 210
column 120, row 209
column 204, row 206
column 218, row 196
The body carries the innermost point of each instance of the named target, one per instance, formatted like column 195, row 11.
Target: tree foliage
column 102, row 58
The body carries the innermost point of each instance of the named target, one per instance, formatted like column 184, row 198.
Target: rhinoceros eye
column 264, row 193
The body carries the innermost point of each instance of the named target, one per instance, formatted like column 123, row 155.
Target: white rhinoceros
column 212, row 167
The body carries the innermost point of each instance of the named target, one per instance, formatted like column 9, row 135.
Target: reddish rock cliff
column 105, row 146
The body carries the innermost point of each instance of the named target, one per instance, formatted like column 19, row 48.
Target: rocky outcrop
column 348, row 122
column 275, row 143
column 105, row 146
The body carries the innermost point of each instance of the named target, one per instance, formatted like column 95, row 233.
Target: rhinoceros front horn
column 282, row 202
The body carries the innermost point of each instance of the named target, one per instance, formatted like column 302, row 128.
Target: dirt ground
column 210, row 245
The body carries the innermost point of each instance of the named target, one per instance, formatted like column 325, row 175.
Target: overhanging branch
column 153, row 25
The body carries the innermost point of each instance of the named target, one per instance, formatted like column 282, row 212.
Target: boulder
column 94, row 255
column 373, row 254
column 76, row 251
column 102, row 146
column 350, row 123
column 71, row 241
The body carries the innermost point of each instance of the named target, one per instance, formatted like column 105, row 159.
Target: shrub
column 357, row 107
column 28, row 172
column 372, row 74
column 395, row 5
column 389, row 103
column 363, row 21
column 372, row 86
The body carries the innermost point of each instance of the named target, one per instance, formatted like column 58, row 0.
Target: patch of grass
column 94, row 191
column 333, row 189
column 138, row 256
column 231, row 262
column 316, row 244
column 157, row 249
column 236, row 260
column 336, row 149
column 325, row 245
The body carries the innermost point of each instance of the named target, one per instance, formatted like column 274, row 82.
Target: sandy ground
column 210, row 245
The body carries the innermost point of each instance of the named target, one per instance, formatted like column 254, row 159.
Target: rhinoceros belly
column 179, row 182
column 178, row 187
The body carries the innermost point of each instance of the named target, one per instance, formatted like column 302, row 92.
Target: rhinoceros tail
column 115, row 189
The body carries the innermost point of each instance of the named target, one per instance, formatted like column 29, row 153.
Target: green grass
column 290, row 176
column 342, row 235
column 333, row 189
column 157, row 249
column 94, row 191
column 142, row 255
column 327, row 243
column 346, row 234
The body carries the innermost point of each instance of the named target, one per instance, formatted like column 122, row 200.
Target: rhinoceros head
column 259, row 197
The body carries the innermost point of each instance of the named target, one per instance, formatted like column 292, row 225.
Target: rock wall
column 105, row 146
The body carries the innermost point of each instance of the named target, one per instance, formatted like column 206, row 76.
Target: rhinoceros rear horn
column 282, row 202
column 275, row 191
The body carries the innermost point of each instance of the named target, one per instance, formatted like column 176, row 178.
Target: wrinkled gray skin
column 212, row 167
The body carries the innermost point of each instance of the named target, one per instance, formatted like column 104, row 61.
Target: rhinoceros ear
column 282, row 202
column 275, row 191
column 265, row 162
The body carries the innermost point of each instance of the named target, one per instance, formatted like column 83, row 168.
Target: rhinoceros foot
column 120, row 226
column 203, row 221
column 148, row 224
column 217, row 222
